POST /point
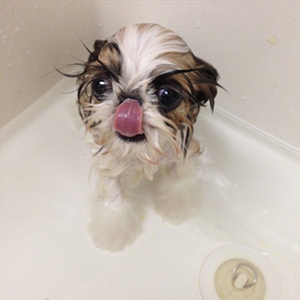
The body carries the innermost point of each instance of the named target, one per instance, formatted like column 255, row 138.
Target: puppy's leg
column 115, row 220
column 178, row 191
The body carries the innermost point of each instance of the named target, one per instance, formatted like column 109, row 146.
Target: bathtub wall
column 254, row 45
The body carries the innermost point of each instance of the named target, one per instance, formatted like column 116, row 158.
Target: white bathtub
column 250, row 209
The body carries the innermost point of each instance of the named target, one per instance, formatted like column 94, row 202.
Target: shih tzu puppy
column 139, row 95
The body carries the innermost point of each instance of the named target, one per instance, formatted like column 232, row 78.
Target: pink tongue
column 128, row 118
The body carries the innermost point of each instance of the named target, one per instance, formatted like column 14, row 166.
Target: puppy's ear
column 98, row 45
column 206, row 82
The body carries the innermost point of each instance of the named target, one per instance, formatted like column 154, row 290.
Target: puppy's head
column 141, row 91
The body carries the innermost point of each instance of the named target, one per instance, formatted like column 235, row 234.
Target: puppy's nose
column 128, row 118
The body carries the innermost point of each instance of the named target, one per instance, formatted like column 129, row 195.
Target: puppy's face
column 141, row 92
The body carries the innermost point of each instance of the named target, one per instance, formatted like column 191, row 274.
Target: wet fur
column 137, row 61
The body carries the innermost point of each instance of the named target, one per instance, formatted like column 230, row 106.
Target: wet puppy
column 139, row 96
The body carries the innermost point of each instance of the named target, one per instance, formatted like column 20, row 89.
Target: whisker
column 69, row 75
column 98, row 151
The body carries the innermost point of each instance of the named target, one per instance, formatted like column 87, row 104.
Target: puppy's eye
column 168, row 98
column 100, row 86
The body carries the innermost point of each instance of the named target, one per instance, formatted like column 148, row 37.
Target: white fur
column 141, row 50
column 116, row 214
column 114, row 229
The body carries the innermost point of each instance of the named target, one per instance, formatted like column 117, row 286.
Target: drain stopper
column 235, row 272
column 241, row 281
column 238, row 279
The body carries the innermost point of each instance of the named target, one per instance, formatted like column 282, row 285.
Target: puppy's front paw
column 114, row 229
column 177, row 200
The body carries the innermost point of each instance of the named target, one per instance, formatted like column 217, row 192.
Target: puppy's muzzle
column 128, row 120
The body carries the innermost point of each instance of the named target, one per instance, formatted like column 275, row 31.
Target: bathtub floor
column 252, row 199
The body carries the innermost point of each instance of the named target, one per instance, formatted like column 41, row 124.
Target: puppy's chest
column 131, row 166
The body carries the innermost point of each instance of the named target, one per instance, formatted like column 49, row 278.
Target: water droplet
column 272, row 40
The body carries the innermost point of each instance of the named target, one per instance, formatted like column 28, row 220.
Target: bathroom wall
column 254, row 45
column 35, row 37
